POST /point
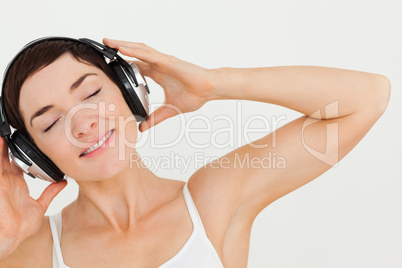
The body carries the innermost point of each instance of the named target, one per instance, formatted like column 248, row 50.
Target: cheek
column 120, row 116
column 58, row 149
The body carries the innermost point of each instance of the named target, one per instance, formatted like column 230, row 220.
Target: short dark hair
column 36, row 58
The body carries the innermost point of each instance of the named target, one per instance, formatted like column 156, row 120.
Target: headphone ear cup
column 45, row 168
column 128, row 91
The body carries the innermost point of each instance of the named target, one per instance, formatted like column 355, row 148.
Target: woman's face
column 69, row 108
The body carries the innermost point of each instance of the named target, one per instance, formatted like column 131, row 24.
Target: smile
column 98, row 144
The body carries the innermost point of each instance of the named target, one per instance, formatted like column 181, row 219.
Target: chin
column 112, row 170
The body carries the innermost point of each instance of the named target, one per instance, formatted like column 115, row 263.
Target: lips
column 97, row 144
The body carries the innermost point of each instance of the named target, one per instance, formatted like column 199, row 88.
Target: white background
column 348, row 217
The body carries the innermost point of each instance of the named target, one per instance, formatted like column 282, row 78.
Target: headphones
column 26, row 155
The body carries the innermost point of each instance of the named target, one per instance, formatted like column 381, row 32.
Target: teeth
column 98, row 144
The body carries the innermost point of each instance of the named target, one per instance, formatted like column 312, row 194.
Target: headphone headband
column 108, row 52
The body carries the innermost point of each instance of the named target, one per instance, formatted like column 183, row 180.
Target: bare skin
column 129, row 217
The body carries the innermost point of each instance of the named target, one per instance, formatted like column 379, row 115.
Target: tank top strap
column 55, row 228
column 195, row 216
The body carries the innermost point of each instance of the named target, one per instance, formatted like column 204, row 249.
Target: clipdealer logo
column 175, row 161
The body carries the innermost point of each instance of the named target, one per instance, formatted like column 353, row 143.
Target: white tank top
column 198, row 252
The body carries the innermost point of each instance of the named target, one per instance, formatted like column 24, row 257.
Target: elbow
column 386, row 89
column 383, row 93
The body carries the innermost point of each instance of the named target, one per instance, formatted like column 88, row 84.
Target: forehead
column 51, row 84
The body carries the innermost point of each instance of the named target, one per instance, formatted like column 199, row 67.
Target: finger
column 159, row 115
column 50, row 193
column 16, row 169
column 120, row 43
column 139, row 53
column 136, row 50
column 145, row 69
column 4, row 160
column 14, row 176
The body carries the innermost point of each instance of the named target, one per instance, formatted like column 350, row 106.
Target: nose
column 84, row 125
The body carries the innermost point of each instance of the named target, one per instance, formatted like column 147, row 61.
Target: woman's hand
column 20, row 214
column 187, row 87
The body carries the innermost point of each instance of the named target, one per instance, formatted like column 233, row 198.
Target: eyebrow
column 79, row 81
column 75, row 85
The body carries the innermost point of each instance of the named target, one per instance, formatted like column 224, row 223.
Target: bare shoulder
column 35, row 251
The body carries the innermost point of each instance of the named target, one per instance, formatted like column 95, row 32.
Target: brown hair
column 36, row 58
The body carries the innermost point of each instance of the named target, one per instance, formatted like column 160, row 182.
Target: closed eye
column 94, row 94
column 49, row 127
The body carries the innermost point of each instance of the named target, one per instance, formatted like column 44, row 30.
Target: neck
column 118, row 202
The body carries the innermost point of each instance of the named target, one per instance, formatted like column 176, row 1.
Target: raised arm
column 339, row 106
column 306, row 89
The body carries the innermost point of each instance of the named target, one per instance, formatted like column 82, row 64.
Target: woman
column 126, row 216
